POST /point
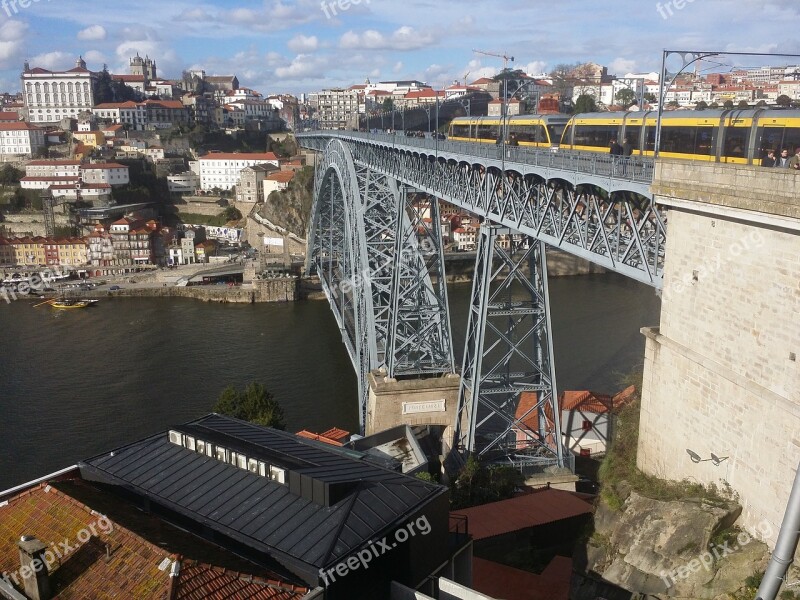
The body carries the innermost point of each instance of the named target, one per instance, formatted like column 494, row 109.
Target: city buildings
column 220, row 170
column 338, row 108
column 50, row 96
column 20, row 140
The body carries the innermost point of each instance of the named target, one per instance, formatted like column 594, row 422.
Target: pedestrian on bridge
column 616, row 154
column 783, row 160
column 769, row 160
column 794, row 162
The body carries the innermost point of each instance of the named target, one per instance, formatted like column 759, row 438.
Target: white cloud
column 93, row 33
column 622, row 65
column 302, row 67
column 301, row 43
column 12, row 36
column 95, row 57
column 404, row 38
column 54, row 61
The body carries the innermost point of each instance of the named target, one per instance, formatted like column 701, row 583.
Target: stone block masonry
column 721, row 373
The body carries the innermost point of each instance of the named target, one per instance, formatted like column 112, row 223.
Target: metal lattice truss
column 509, row 352
column 380, row 271
column 599, row 210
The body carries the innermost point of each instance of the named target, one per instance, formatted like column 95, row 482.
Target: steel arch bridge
column 379, row 255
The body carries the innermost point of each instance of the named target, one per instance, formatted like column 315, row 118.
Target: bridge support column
column 508, row 398
column 431, row 402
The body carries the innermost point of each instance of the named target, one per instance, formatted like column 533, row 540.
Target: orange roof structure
column 523, row 512
column 333, row 437
column 499, row 581
column 265, row 156
column 104, row 560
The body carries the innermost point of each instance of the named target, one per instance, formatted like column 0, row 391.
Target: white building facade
column 20, row 139
column 50, row 96
column 221, row 169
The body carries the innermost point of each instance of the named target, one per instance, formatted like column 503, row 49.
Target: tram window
column 791, row 139
column 555, row 132
column 704, row 141
column 460, row 131
column 736, row 142
column 566, row 136
column 686, row 140
column 488, row 132
column 769, row 138
column 523, row 133
column 594, row 135
column 633, row 133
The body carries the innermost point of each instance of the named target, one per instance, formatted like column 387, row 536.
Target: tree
column 727, row 105
column 254, row 404
column 585, row 104
column 388, row 105
column 232, row 214
column 743, row 104
column 713, row 105
column 477, row 484
column 650, row 97
column 9, row 175
column 673, row 104
column 761, row 103
column 702, row 105
column 626, row 97
column 783, row 100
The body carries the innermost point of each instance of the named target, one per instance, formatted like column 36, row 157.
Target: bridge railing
column 637, row 169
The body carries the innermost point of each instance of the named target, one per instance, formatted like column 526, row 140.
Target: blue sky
column 294, row 46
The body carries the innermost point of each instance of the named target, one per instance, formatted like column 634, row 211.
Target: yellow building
column 90, row 139
column 44, row 252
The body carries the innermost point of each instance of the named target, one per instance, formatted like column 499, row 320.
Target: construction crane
column 504, row 56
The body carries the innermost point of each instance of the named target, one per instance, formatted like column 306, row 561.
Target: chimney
column 33, row 568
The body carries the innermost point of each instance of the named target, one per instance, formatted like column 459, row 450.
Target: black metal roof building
column 285, row 501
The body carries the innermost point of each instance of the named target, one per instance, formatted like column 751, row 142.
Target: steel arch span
column 381, row 267
column 591, row 205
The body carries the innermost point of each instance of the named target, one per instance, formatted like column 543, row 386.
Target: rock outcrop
column 686, row 549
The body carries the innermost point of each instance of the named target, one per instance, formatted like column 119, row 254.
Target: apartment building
column 50, row 96
column 221, row 170
column 20, row 139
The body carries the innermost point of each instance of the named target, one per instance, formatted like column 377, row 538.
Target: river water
column 77, row 383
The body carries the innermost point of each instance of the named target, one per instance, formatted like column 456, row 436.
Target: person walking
column 627, row 147
column 794, row 162
column 769, row 160
column 616, row 154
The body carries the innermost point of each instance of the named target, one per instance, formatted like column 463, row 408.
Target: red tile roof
column 103, row 166
column 111, row 105
column 51, row 178
column 53, row 163
column 131, row 569
column 500, row 581
column 9, row 116
column 265, row 156
column 202, row 582
column 334, row 436
column 507, row 516
column 281, row 176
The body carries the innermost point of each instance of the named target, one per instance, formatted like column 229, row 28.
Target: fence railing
column 637, row 169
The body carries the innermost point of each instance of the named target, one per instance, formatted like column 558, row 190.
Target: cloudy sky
column 298, row 46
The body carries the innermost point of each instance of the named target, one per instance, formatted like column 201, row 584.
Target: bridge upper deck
column 633, row 173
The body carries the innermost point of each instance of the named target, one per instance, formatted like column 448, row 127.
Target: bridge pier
column 721, row 374
column 430, row 401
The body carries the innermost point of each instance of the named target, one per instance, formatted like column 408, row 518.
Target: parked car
column 114, row 288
